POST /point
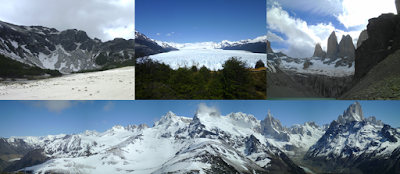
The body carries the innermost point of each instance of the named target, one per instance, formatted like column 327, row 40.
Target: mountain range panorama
column 67, row 51
column 210, row 142
column 147, row 46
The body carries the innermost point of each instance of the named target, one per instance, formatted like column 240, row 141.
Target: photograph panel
column 69, row 50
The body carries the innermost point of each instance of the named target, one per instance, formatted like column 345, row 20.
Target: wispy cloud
column 110, row 105
column 158, row 34
column 54, row 105
column 104, row 122
column 168, row 34
column 194, row 28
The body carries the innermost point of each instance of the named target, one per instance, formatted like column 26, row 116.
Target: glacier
column 213, row 59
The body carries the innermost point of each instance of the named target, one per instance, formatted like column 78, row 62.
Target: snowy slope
column 209, row 45
column 318, row 66
column 209, row 142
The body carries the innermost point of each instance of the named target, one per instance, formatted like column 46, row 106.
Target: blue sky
column 40, row 118
column 294, row 27
column 183, row 21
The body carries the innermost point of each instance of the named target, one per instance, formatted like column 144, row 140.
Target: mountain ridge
column 67, row 51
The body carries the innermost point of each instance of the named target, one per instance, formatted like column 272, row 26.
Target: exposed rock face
column 34, row 157
column 333, row 47
column 346, row 48
column 318, row 52
column 383, row 40
column 67, row 51
column 363, row 36
column 330, row 87
column 270, row 126
column 307, row 64
column 258, row 47
column 269, row 50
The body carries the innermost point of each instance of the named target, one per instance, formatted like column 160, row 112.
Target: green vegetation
column 260, row 64
column 385, row 89
column 10, row 68
column 155, row 80
column 111, row 65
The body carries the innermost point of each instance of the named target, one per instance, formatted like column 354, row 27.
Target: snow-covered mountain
column 67, row 51
column 208, row 142
column 212, row 143
column 147, row 46
column 225, row 44
column 354, row 144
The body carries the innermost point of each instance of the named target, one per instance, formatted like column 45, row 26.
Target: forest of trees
column 155, row 80
column 10, row 68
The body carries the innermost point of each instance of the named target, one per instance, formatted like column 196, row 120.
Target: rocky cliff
column 318, row 52
column 346, row 48
column 383, row 40
column 327, row 86
column 67, row 51
column 363, row 36
column 269, row 50
column 333, row 47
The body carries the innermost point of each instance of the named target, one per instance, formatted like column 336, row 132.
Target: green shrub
column 260, row 64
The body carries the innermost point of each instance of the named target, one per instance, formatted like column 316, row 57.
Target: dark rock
column 346, row 48
column 378, row 46
column 269, row 50
column 363, row 36
column 258, row 47
column 33, row 157
column 318, row 52
column 333, row 47
column 330, row 87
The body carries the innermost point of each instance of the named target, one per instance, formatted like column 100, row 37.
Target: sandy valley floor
column 115, row 84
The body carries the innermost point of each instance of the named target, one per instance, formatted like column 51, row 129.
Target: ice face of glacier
column 211, row 58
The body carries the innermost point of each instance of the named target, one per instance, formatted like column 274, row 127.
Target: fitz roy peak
column 67, row 51
column 354, row 144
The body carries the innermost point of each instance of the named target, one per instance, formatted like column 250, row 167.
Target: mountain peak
column 353, row 113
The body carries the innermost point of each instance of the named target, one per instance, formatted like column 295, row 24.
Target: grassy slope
column 381, row 83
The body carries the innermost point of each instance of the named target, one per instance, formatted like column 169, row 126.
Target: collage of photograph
column 200, row 87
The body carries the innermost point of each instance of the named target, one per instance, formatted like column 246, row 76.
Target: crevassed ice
column 213, row 59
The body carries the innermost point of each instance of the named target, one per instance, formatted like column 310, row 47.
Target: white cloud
column 316, row 7
column 54, row 105
column 357, row 12
column 158, row 34
column 172, row 32
column 110, row 105
column 272, row 37
column 99, row 18
column 301, row 37
column 168, row 34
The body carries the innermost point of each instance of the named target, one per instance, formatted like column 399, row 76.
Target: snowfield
column 213, row 59
column 115, row 84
